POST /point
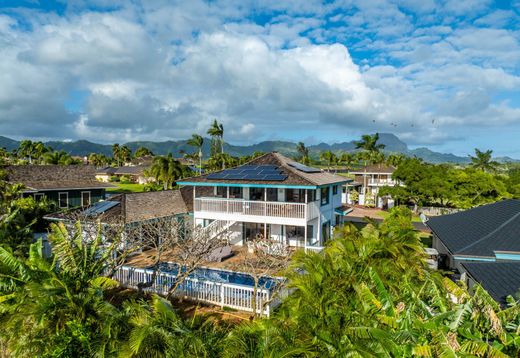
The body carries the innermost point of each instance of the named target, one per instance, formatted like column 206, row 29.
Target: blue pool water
column 222, row 276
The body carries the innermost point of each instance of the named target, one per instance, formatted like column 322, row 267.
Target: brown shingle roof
column 294, row 176
column 126, row 170
column 49, row 177
column 134, row 207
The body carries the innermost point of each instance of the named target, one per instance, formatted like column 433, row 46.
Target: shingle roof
column 480, row 231
column 49, row 177
column 500, row 279
column 375, row 168
column 126, row 170
column 294, row 176
column 135, row 207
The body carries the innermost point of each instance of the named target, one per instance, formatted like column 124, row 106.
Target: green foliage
column 166, row 170
column 143, row 152
column 442, row 185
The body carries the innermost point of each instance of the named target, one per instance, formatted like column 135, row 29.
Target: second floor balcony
column 255, row 211
column 382, row 182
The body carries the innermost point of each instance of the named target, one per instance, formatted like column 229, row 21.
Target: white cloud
column 162, row 70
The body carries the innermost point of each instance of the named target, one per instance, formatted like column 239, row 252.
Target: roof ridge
column 288, row 167
column 505, row 223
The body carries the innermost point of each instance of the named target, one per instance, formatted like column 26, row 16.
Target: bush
column 125, row 179
column 114, row 179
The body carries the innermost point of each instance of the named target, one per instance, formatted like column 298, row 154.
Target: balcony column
column 194, row 196
column 305, row 243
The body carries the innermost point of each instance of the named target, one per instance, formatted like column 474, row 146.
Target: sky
column 441, row 74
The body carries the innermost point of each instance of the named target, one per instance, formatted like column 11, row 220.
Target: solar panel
column 250, row 172
column 100, row 207
column 304, row 168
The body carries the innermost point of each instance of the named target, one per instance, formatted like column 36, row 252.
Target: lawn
column 126, row 188
column 383, row 214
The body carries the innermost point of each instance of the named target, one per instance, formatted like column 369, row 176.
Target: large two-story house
column 367, row 182
column 272, row 197
column 67, row 185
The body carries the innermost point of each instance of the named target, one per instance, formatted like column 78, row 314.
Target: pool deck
column 233, row 263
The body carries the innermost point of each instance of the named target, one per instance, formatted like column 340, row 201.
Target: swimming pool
column 222, row 276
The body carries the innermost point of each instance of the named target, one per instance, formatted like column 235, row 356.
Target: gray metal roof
column 500, row 279
column 480, row 231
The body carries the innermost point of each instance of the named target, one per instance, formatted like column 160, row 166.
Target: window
column 310, row 232
column 334, row 190
column 221, row 191
column 272, row 194
column 295, row 195
column 325, row 193
column 63, row 200
column 311, row 195
column 235, row 193
column 85, row 198
column 325, row 232
column 256, row 194
column 39, row 196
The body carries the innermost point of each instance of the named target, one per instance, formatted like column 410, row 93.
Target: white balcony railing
column 389, row 182
column 256, row 208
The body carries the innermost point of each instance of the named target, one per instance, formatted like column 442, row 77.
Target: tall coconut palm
column 197, row 142
column 484, row 161
column 329, row 157
column 303, row 153
column 125, row 154
column 216, row 131
column 27, row 149
column 165, row 169
column 348, row 160
column 116, row 153
column 369, row 143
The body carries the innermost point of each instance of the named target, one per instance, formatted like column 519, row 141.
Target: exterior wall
column 74, row 196
column 439, row 246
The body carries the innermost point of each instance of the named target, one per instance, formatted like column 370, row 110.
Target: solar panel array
column 304, row 168
column 100, row 207
column 251, row 172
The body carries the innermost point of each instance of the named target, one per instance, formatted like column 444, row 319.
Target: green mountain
column 392, row 145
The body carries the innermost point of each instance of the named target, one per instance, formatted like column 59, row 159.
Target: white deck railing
column 239, row 297
column 250, row 207
column 382, row 182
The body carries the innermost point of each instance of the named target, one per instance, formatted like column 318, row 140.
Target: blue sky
column 442, row 74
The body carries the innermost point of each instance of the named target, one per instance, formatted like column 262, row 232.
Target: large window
column 334, row 190
column 325, row 194
column 295, row 195
column 85, row 198
column 221, row 192
column 272, row 194
column 235, row 192
column 63, row 200
column 256, row 194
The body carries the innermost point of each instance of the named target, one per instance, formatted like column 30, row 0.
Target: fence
column 436, row 211
column 223, row 294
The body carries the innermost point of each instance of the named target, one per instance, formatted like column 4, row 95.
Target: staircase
column 218, row 227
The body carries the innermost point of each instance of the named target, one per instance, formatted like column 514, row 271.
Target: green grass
column 126, row 188
column 383, row 214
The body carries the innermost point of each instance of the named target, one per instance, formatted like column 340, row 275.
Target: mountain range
column 392, row 145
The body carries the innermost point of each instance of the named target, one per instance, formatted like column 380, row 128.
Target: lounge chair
column 220, row 253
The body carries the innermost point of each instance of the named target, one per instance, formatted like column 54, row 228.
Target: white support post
column 305, row 243
column 194, row 197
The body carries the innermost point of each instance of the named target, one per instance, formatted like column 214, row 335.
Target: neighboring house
column 271, row 196
column 367, row 181
column 488, row 233
column 68, row 185
column 136, row 174
column 130, row 208
column 499, row 279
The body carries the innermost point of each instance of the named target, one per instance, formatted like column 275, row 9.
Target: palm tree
column 58, row 157
column 165, row 169
column 303, row 153
column 369, row 143
column 156, row 330
column 395, row 159
column 216, row 131
column 98, row 159
column 348, row 160
column 125, row 154
column 27, row 149
column 197, row 142
column 484, row 161
column 58, row 305
column 116, row 153
column 329, row 157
